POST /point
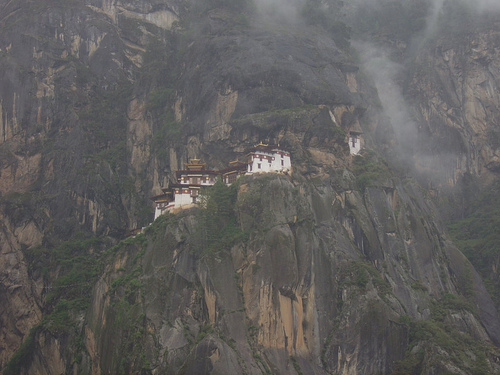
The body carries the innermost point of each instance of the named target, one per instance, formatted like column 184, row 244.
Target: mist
column 279, row 10
column 384, row 72
column 387, row 65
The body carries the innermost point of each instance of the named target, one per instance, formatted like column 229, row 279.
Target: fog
column 384, row 73
column 280, row 10
column 377, row 61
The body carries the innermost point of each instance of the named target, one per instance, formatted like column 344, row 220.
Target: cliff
column 314, row 279
column 342, row 267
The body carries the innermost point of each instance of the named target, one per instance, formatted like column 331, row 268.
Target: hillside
column 343, row 266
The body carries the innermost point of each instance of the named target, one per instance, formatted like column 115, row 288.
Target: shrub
column 369, row 169
column 218, row 227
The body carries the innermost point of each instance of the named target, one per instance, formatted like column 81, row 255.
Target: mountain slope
column 342, row 267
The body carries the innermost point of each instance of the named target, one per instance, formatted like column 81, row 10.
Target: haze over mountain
column 350, row 264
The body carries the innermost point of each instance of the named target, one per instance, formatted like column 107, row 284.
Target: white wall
column 183, row 199
column 158, row 212
column 357, row 144
column 271, row 162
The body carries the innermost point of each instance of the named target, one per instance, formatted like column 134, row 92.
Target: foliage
column 455, row 347
column 68, row 271
column 18, row 205
column 360, row 273
column 477, row 236
column 115, row 156
column 159, row 62
column 168, row 132
column 296, row 365
column 104, row 117
column 218, row 228
column 127, row 319
column 159, row 72
column 23, row 354
column 417, row 285
column 369, row 169
column 449, row 302
column 75, row 265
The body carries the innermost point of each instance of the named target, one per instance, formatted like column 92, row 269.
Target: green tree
column 217, row 223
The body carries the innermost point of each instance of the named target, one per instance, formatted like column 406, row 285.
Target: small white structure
column 264, row 158
column 163, row 203
column 355, row 142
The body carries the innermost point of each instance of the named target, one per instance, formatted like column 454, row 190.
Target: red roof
column 240, row 166
column 197, row 172
column 266, row 148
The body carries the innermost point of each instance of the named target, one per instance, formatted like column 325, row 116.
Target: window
column 259, row 165
column 282, row 163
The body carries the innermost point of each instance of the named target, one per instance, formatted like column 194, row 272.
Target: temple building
column 163, row 202
column 187, row 190
column 230, row 174
column 355, row 142
column 261, row 158
column 268, row 158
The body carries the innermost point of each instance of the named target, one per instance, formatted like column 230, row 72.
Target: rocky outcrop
column 319, row 272
column 455, row 84
column 320, row 284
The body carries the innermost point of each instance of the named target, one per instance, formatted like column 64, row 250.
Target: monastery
column 355, row 142
column 261, row 158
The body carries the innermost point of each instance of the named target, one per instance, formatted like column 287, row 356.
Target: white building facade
column 264, row 158
column 355, row 142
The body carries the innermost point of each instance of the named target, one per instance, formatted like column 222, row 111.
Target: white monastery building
column 268, row 158
column 261, row 158
column 355, row 142
column 187, row 190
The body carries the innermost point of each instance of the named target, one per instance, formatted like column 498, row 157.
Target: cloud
column 385, row 72
column 282, row 10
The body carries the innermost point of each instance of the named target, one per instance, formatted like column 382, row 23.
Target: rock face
column 458, row 101
column 319, row 285
column 342, row 267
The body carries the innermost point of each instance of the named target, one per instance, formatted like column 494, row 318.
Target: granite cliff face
column 319, row 284
column 458, row 101
column 342, row 267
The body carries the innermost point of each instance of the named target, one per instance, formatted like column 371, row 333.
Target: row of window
column 259, row 166
column 197, row 180
column 267, row 157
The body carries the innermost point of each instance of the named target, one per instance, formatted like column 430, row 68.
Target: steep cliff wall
column 320, row 272
column 314, row 278
column 455, row 89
